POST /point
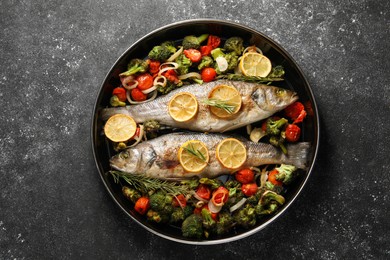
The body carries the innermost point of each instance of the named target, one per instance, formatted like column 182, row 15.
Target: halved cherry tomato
column 179, row 201
column 205, row 50
column 120, row 93
column 300, row 118
column 292, row 111
column 213, row 41
column 154, row 66
column 245, row 176
column 199, row 211
column 203, row 191
column 137, row 95
column 208, row 74
column 293, row 132
column 272, row 177
column 142, row 205
column 193, row 54
column 249, row 189
column 171, row 75
column 220, row 196
column 145, row 81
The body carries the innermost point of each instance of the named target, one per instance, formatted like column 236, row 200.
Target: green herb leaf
column 220, row 104
column 195, row 152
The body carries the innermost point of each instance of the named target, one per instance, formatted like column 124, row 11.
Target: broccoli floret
column 161, row 202
column 231, row 59
column 180, row 214
column 235, row 193
column 269, row 203
column 276, row 72
column 184, row 64
column 224, row 224
column 191, row 183
column 206, row 62
column 157, row 217
column 136, row 66
column 245, row 217
column 170, row 45
column 131, row 194
column 192, row 226
column 234, row 44
column 212, row 183
column 193, row 42
column 278, row 141
column 208, row 222
column 160, row 53
column 168, row 88
column 275, row 126
column 115, row 102
column 254, row 199
column 287, row 173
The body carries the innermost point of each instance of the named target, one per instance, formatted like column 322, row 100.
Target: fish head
column 273, row 98
column 126, row 161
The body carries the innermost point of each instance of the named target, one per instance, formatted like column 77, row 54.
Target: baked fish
column 258, row 102
column 158, row 157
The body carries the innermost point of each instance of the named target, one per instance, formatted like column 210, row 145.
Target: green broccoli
column 235, row 193
column 234, row 44
column 170, row 45
column 168, row 88
column 276, row 72
column 224, row 224
column 160, row 53
column 161, row 202
column 135, row 66
column 206, row 62
column 269, row 203
column 246, row 216
column 208, row 222
column 184, row 64
column 180, row 214
column 192, row 183
column 131, row 194
column 157, row 217
column 192, row 226
column 193, row 42
column 231, row 59
column 115, row 102
column 212, row 183
column 254, row 199
column 287, row 173
column 275, row 126
column 278, row 141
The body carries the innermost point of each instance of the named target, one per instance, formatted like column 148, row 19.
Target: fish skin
column 158, row 157
column 259, row 101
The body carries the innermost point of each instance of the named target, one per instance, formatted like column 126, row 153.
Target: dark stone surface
column 55, row 54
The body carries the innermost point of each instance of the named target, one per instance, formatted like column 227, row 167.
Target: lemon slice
column 120, row 128
column 231, row 153
column 255, row 64
column 224, row 101
column 183, row 107
column 193, row 156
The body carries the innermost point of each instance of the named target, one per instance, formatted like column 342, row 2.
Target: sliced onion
column 129, row 82
column 196, row 196
column 252, row 48
column 222, row 63
column 263, row 178
column 248, row 129
column 149, row 90
column 157, row 81
column 213, row 208
column 140, row 102
column 190, row 75
column 199, row 204
column 138, row 138
column 167, row 66
column 237, row 205
column 175, row 55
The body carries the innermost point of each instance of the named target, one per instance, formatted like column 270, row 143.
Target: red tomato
column 142, row 205
column 179, row 201
column 193, row 54
column 205, row 50
column 120, row 93
column 249, row 189
column 213, row 41
column 220, row 196
column 272, row 177
column 245, row 176
column 145, row 81
column 203, row 191
column 199, row 211
column 154, row 66
column 292, row 111
column 208, row 74
column 137, row 132
column 293, row 133
column 300, row 118
column 171, row 76
column 137, row 95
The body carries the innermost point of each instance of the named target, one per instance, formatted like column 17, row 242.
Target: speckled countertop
column 54, row 55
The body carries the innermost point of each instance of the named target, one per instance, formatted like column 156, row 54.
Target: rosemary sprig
column 146, row 184
column 253, row 79
column 220, row 104
column 195, row 152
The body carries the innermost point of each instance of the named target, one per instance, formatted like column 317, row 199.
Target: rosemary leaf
column 220, row 104
column 190, row 149
column 254, row 79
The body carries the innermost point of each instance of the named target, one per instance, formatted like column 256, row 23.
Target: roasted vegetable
column 160, row 53
column 206, row 62
column 131, row 194
column 193, row 42
column 246, row 216
column 231, row 59
column 161, row 202
column 212, row 183
column 234, row 44
column 170, row 45
column 269, row 203
column 180, row 214
column 115, row 102
column 184, row 64
column 224, row 224
column 192, row 226
column 275, row 126
column 135, row 66
column 207, row 219
column 286, row 173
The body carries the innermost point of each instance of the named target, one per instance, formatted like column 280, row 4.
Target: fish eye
column 124, row 155
column 280, row 92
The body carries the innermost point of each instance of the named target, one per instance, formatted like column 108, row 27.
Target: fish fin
column 298, row 154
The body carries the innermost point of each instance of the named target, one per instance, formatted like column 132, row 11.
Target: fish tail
column 298, row 154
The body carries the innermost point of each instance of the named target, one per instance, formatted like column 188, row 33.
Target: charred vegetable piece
column 135, row 66
column 286, row 173
column 192, row 226
column 234, row 44
column 193, row 42
column 131, row 194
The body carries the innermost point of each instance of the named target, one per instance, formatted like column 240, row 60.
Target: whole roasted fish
column 158, row 157
column 258, row 102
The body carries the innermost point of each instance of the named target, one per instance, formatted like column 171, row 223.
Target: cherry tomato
column 179, row 201
column 220, row 196
column 199, row 211
column 205, row 50
column 142, row 205
column 272, row 177
column 292, row 111
column 193, row 54
column 293, row 133
column 154, row 66
column 120, row 93
column 213, row 41
column 300, row 118
column 145, row 81
column 203, row 191
column 137, row 95
column 249, row 189
column 245, row 176
column 171, row 76
column 208, row 74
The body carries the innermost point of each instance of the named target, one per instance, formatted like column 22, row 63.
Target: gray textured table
column 55, row 54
